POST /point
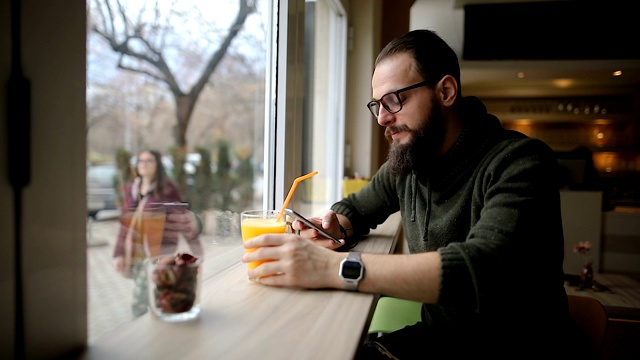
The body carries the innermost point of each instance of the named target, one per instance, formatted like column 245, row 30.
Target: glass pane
column 182, row 79
column 323, row 135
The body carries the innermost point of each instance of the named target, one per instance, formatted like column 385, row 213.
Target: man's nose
column 385, row 118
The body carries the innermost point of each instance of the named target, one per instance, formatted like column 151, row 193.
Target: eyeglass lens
column 390, row 101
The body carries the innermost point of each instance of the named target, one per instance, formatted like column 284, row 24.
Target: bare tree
column 142, row 41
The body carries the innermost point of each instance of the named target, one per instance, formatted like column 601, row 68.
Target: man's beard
column 418, row 153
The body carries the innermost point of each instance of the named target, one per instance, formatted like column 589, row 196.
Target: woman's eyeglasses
column 391, row 101
column 146, row 161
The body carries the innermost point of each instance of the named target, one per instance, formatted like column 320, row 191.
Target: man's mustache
column 393, row 129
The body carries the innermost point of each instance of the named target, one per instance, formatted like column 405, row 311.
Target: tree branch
column 157, row 60
column 246, row 8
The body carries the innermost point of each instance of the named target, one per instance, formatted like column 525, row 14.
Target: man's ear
column 447, row 90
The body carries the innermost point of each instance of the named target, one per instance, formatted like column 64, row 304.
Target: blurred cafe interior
column 567, row 72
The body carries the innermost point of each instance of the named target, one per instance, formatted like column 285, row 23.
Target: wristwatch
column 351, row 271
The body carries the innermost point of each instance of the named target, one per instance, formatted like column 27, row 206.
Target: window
column 240, row 142
column 179, row 79
column 324, row 105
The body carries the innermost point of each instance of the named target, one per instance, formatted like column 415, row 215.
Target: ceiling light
column 617, row 73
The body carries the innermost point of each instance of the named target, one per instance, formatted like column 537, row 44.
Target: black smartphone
column 310, row 224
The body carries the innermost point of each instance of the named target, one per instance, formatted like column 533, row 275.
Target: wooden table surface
column 620, row 297
column 241, row 319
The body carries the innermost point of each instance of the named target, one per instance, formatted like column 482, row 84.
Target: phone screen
column 310, row 224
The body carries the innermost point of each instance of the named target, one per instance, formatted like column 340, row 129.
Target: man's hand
column 293, row 262
column 329, row 222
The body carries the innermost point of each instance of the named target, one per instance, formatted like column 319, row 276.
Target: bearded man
column 480, row 210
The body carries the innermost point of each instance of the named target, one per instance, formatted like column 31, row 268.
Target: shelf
column 563, row 118
column 576, row 109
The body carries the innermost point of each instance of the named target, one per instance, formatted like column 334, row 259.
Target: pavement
column 109, row 293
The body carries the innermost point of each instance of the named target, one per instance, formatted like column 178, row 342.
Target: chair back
column 591, row 320
column 392, row 314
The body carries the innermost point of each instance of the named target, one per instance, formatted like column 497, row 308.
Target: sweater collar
column 470, row 145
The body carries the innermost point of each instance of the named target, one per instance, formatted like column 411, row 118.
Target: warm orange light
column 605, row 161
column 524, row 126
column 563, row 83
column 617, row 73
column 599, row 135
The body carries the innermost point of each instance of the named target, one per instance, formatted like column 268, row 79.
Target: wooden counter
column 621, row 297
column 245, row 320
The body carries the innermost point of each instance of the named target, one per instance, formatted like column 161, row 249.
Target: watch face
column 351, row 270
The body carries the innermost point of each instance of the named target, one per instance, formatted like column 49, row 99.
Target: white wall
column 54, row 203
column 581, row 221
column 621, row 237
column 442, row 17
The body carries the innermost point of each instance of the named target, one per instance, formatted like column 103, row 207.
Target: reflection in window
column 187, row 79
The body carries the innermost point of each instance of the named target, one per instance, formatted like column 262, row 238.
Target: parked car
column 101, row 192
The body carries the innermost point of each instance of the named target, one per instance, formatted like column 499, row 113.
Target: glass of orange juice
column 258, row 222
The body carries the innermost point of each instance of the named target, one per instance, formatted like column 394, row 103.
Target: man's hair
column 434, row 58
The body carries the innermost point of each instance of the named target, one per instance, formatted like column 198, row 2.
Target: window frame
column 284, row 135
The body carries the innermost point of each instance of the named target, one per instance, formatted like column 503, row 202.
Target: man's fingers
column 328, row 219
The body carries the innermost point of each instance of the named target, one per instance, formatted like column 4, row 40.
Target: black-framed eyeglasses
column 391, row 101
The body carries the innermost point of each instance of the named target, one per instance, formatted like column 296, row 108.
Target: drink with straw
column 257, row 222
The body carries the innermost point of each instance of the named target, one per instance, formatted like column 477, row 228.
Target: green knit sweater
column 491, row 207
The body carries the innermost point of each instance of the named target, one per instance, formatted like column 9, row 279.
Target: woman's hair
column 160, row 177
column 434, row 58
